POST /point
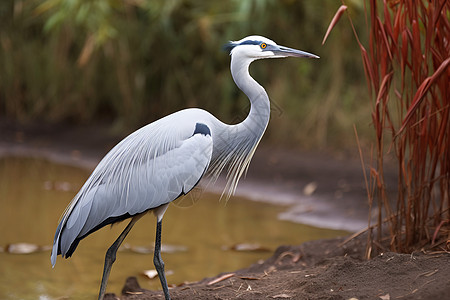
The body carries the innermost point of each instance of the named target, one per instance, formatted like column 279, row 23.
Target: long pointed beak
column 286, row 51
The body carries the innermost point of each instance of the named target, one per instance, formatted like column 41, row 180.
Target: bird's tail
column 56, row 248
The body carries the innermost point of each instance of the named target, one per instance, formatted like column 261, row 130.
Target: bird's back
column 149, row 168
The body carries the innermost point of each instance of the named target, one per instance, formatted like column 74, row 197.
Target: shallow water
column 34, row 193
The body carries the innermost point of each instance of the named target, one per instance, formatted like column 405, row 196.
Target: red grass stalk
column 408, row 57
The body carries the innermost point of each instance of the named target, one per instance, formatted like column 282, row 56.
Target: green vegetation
column 131, row 62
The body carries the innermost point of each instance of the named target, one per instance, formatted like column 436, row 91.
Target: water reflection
column 33, row 194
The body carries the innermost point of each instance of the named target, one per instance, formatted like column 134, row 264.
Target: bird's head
column 257, row 47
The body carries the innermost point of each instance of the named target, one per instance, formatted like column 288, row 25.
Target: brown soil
column 324, row 269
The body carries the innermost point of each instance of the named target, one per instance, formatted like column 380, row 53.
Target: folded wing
column 151, row 167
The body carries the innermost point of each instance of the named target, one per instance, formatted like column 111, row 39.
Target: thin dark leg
column 110, row 256
column 157, row 260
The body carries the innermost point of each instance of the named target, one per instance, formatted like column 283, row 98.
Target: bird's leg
column 110, row 256
column 157, row 260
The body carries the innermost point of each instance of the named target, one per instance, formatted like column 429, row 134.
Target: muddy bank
column 323, row 269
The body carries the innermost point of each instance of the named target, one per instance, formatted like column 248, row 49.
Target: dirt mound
column 323, row 269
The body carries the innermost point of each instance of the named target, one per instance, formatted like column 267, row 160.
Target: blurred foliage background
column 129, row 62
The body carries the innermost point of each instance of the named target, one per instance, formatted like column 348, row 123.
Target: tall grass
column 406, row 65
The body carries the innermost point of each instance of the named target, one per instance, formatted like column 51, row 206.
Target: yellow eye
column 263, row 45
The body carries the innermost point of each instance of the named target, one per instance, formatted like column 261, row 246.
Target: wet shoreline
column 316, row 189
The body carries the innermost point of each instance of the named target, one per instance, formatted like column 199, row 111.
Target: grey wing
column 133, row 178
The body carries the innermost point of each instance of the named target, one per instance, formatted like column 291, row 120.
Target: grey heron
column 166, row 159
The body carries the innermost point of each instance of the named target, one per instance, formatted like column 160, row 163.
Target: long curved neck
column 235, row 144
column 258, row 118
